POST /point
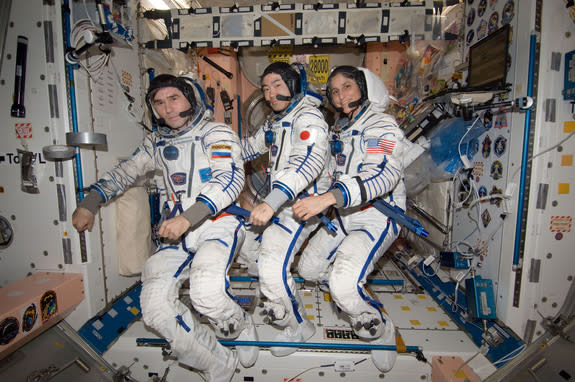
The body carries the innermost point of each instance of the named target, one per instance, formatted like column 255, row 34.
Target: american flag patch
column 221, row 151
column 380, row 146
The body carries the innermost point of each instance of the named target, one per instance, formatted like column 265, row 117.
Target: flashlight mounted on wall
column 18, row 110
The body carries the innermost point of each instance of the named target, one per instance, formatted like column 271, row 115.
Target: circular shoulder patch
column 304, row 135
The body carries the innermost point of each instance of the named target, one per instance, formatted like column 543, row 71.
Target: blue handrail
column 524, row 157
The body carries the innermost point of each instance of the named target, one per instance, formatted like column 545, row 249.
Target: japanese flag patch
column 221, row 151
column 307, row 136
column 380, row 146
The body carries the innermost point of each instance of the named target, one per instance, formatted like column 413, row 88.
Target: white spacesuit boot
column 385, row 359
column 294, row 331
column 248, row 355
column 301, row 333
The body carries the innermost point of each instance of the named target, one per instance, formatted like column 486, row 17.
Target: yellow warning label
column 319, row 65
column 280, row 53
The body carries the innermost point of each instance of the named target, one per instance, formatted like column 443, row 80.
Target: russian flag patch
column 221, row 151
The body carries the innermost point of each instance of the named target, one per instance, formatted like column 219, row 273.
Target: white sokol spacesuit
column 201, row 166
column 369, row 166
column 298, row 146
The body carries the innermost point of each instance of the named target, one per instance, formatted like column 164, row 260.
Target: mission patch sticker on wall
column 48, row 305
column 486, row 147
column 29, row 318
column 497, row 170
column 9, row 329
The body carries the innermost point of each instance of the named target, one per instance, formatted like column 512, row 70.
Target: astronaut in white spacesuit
column 203, row 174
column 296, row 137
column 368, row 149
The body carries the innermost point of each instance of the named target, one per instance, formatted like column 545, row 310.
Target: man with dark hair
column 203, row 175
column 296, row 137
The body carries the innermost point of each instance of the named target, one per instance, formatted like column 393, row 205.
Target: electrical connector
column 344, row 366
column 430, row 259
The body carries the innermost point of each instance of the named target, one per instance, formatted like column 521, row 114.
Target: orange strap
column 221, row 216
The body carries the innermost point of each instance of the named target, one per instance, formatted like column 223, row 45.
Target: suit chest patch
column 178, row 178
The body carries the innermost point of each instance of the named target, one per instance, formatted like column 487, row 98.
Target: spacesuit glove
column 229, row 328
column 275, row 313
column 367, row 325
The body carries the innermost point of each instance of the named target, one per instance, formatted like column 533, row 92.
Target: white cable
column 543, row 152
column 464, row 159
column 88, row 14
column 489, row 197
column 505, row 357
column 423, row 266
column 454, row 305
column 463, row 365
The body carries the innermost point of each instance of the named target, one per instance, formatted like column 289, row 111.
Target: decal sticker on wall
column 48, row 305
column 501, row 121
column 23, row 130
column 473, row 147
column 485, row 218
column 500, row 145
column 470, row 36
column 127, row 79
column 482, row 192
column 496, row 191
column 563, row 188
column 497, row 170
column 508, row 12
column 481, row 29
column 471, row 17
column 478, row 169
column 481, row 7
column 319, row 65
column 488, row 120
column 560, row 224
column 9, row 329
column 29, row 318
column 486, row 147
column 482, row 249
column 493, row 22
